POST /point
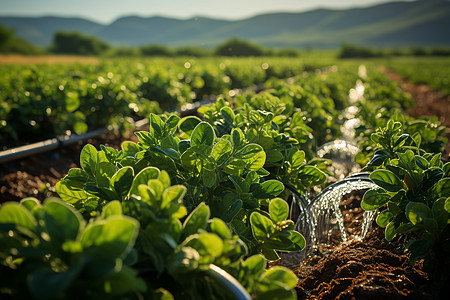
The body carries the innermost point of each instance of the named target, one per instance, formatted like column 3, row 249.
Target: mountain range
column 392, row 24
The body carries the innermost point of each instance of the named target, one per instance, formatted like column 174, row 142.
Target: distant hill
column 392, row 24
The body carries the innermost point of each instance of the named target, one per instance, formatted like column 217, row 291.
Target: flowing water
column 321, row 219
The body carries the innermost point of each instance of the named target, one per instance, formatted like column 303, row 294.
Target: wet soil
column 371, row 268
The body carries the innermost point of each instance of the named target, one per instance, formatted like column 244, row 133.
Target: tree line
column 76, row 43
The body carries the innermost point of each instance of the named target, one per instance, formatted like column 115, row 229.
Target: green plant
column 48, row 251
column 414, row 189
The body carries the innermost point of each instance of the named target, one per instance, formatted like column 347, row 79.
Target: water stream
column 321, row 219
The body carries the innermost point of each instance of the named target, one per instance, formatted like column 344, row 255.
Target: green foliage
column 414, row 187
column 9, row 43
column 353, row 51
column 48, row 250
column 156, row 50
column 76, row 43
column 238, row 47
column 226, row 173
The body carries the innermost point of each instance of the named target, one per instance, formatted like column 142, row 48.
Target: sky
column 106, row 11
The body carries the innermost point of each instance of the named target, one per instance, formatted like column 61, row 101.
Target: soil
column 45, row 59
column 371, row 268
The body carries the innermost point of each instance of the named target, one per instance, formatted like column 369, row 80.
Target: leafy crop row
column 154, row 218
column 48, row 100
column 414, row 193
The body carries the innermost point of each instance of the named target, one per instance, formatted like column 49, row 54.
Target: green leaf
column 164, row 177
column 272, row 187
column 274, row 156
column 143, row 177
column 70, row 194
column 46, row 284
column 72, row 102
column 417, row 212
column 418, row 249
column 183, row 261
column 156, row 126
column 439, row 213
column 262, row 227
column 170, row 125
column 387, row 180
column 298, row 241
column 110, row 239
column 209, row 177
column 221, row 151
column 374, row 199
column 80, row 127
column 447, row 205
column 446, row 169
column 30, row 203
column 282, row 276
column 112, row 208
column 203, row 134
column 278, row 293
column 406, row 160
column 130, row 148
column 206, row 244
column 227, row 114
column 298, row 159
column 124, row 281
column 240, row 184
column 122, row 181
column 389, row 232
column 237, row 137
column 105, row 172
column 101, row 192
column 173, row 195
column 442, row 188
column 431, row 177
column 378, row 158
column 249, row 151
column 146, row 139
column 220, row 228
column 14, row 213
column 88, row 159
column 311, row 176
column 196, row 220
column 278, row 210
column 384, row 218
column 188, row 124
column 63, row 222
column 256, row 264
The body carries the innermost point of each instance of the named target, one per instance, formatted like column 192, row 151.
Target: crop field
column 250, row 178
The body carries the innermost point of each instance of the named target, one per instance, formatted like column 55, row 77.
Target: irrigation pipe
column 234, row 289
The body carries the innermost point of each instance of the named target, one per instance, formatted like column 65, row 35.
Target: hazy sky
column 106, row 11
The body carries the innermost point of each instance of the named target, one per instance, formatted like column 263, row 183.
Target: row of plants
column 153, row 219
column 413, row 196
column 189, row 194
column 433, row 72
column 38, row 100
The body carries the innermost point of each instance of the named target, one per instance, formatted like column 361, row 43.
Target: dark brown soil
column 371, row 268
